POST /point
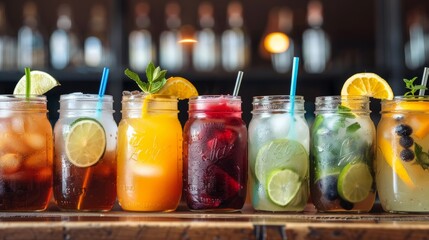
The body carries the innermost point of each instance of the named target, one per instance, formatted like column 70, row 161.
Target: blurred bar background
column 74, row 40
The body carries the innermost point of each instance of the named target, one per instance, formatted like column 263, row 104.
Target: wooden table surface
column 182, row 224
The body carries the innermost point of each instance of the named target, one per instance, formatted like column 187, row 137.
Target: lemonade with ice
column 278, row 154
column 403, row 154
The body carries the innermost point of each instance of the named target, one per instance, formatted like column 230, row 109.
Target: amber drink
column 26, row 152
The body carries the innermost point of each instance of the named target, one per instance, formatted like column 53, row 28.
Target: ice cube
column 35, row 141
column 280, row 125
column 37, row 160
column 13, row 143
column 44, row 174
column 10, row 163
column 18, row 125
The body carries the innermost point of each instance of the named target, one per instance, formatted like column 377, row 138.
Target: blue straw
column 294, row 77
column 102, row 90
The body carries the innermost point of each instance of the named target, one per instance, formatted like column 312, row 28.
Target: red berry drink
column 215, row 154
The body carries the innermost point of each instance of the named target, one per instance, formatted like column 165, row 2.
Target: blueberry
column 406, row 141
column 403, row 130
column 407, row 155
column 328, row 187
column 346, row 204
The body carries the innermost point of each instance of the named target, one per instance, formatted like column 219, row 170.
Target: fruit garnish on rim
column 157, row 83
column 367, row 84
column 41, row 82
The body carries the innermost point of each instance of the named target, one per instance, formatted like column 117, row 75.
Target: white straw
column 237, row 83
column 424, row 80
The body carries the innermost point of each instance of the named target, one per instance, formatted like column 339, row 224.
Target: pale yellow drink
column 402, row 173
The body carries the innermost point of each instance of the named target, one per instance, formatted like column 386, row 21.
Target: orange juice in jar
column 149, row 153
column 26, row 153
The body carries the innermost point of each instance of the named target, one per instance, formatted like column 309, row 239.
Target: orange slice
column 179, row 87
column 395, row 162
column 367, row 84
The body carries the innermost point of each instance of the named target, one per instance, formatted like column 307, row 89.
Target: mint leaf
column 409, row 84
column 353, row 128
column 155, row 78
column 132, row 75
column 422, row 158
column 149, row 71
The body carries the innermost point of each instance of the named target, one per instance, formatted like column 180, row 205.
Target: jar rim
column 215, row 97
column 342, row 97
column 79, row 96
column 21, row 97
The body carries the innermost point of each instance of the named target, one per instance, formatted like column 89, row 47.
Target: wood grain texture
column 201, row 226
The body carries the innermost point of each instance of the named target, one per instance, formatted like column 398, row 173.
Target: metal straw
column 238, row 83
column 424, row 80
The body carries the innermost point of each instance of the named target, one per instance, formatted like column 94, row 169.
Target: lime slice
column 41, row 82
column 355, row 182
column 86, row 142
column 283, row 186
column 281, row 154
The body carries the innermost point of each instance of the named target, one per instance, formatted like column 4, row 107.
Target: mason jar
column 342, row 155
column 26, row 153
column 85, row 153
column 215, row 154
column 402, row 174
column 278, row 154
column 149, row 153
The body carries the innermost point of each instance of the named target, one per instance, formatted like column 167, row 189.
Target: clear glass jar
column 26, row 153
column 77, row 185
column 342, row 155
column 149, row 153
column 403, row 154
column 278, row 154
column 215, row 154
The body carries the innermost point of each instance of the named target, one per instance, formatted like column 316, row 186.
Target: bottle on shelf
column 235, row 42
column 64, row 44
column 277, row 43
column 96, row 45
column 417, row 48
column 172, row 53
column 141, row 47
column 7, row 43
column 316, row 46
column 31, row 47
column 205, row 50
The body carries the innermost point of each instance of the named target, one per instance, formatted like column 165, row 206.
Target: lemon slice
column 179, row 87
column 41, row 82
column 86, row 142
column 355, row 182
column 367, row 84
column 283, row 186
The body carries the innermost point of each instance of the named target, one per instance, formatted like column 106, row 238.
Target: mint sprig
column 422, row 158
column 409, row 84
column 155, row 78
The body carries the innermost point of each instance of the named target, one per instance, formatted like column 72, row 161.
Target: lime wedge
column 355, row 182
column 41, row 82
column 283, row 186
column 86, row 142
column 281, row 154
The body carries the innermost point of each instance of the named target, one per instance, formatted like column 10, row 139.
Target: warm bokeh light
column 188, row 40
column 276, row 42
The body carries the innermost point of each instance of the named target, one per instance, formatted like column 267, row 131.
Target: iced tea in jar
column 26, row 153
column 149, row 153
column 85, row 153
column 215, row 154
